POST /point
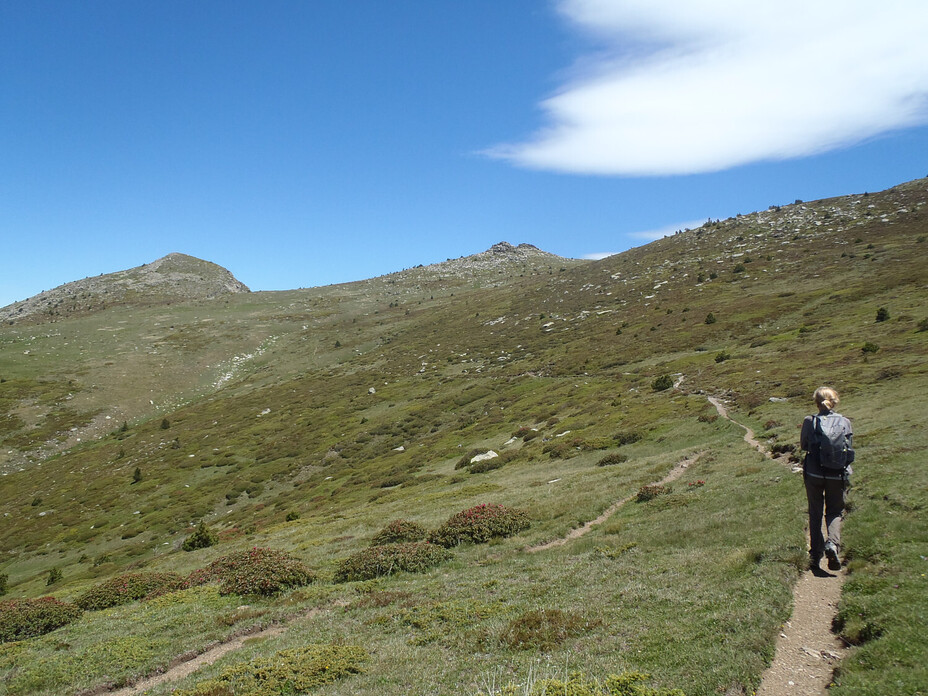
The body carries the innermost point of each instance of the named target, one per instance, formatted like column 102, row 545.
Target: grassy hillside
column 306, row 420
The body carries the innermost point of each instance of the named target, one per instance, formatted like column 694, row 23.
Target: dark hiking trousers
column 825, row 496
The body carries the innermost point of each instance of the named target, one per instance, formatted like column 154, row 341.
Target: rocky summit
column 170, row 279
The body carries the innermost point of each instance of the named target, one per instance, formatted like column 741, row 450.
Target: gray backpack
column 831, row 442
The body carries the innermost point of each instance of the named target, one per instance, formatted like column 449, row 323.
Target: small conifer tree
column 201, row 538
column 136, row 475
column 165, row 424
column 4, row 580
column 882, row 314
column 54, row 575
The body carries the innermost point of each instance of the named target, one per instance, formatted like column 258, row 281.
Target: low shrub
column 626, row 438
column 201, row 538
column 646, row 493
column 129, row 588
column 258, row 571
column 480, row 524
column 26, row 618
column 542, row 629
column 465, row 460
column 662, row 383
column 782, row 448
column 486, row 465
column 294, row 671
column 377, row 561
column 399, row 531
column 922, row 325
column 614, row 458
column 4, row 579
column 869, row 347
column 54, row 575
column 560, row 450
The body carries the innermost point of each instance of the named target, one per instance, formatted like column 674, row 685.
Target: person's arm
column 805, row 435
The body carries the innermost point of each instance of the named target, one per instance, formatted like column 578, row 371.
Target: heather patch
column 258, row 571
column 26, row 618
column 480, row 524
column 294, row 671
column 646, row 493
column 129, row 588
column 399, row 531
column 614, row 458
column 377, row 561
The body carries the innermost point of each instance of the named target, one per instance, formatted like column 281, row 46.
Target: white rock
column 484, row 457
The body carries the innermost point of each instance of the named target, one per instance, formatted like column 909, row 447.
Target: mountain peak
column 173, row 278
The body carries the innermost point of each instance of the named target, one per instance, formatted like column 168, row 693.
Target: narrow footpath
column 674, row 474
column 806, row 651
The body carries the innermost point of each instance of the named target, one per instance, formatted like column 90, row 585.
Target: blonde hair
column 826, row 397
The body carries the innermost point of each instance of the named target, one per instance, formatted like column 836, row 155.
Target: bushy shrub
column 26, row 618
column 258, row 571
column 128, row 588
column 722, row 356
column 882, row 314
column 710, row 317
column 201, row 538
column 465, row 460
column 4, row 579
column 869, row 347
column 614, row 458
column 542, row 629
column 627, row 438
column 560, row 450
column 294, row 671
column 399, row 531
column 377, row 561
column 487, row 465
column 480, row 524
column 54, row 575
column 662, row 383
column 923, row 325
column 646, row 493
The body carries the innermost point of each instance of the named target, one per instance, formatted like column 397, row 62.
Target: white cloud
column 599, row 255
column 648, row 236
column 682, row 87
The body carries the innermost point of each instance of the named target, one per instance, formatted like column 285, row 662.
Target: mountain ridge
column 174, row 277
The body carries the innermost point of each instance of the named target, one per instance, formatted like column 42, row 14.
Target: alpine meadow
column 499, row 474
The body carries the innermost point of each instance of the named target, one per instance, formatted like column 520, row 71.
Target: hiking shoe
column 834, row 563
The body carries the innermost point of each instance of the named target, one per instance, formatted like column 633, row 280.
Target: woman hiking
column 827, row 440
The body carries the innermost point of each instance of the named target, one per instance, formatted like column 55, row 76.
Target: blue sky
column 323, row 141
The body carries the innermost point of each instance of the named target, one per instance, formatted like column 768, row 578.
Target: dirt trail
column 748, row 433
column 187, row 664
column 806, row 651
column 674, row 474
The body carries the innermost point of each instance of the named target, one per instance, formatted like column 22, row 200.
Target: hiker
column 826, row 438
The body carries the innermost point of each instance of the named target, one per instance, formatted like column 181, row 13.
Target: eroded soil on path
column 185, row 665
column 806, row 651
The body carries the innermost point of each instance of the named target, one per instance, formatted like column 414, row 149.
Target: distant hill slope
column 304, row 420
column 172, row 278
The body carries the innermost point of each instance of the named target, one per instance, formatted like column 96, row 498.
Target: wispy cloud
column 648, row 236
column 681, row 87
